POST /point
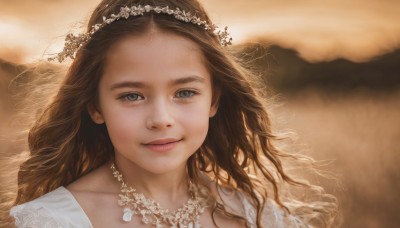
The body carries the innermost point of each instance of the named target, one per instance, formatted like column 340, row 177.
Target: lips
column 163, row 141
column 162, row 145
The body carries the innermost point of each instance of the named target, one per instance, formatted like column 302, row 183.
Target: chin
column 162, row 170
column 164, row 167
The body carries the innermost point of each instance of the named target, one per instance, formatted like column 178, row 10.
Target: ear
column 213, row 110
column 215, row 102
column 95, row 114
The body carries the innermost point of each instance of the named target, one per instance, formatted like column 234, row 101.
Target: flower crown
column 74, row 42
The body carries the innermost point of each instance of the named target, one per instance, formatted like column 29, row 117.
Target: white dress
column 59, row 208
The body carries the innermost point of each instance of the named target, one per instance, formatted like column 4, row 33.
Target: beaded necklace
column 135, row 203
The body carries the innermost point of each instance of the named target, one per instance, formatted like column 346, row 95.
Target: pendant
column 127, row 217
column 194, row 225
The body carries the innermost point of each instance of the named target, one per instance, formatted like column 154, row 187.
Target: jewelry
column 135, row 203
column 74, row 42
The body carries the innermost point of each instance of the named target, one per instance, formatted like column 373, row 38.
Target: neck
column 164, row 188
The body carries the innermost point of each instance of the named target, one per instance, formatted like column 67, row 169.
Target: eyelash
column 192, row 92
column 125, row 97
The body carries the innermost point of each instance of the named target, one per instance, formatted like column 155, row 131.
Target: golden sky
column 320, row 30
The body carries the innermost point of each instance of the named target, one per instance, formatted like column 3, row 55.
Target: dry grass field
column 360, row 132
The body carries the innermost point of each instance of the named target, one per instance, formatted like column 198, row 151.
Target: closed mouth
column 163, row 145
column 162, row 142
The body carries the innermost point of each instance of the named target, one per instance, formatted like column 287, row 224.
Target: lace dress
column 59, row 208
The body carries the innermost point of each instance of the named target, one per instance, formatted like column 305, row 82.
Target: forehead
column 155, row 54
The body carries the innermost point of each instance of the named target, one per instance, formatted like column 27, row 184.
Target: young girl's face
column 155, row 99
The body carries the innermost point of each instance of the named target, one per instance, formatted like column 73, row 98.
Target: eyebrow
column 179, row 81
column 189, row 79
column 127, row 84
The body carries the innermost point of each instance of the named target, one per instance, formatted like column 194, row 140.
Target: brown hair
column 66, row 144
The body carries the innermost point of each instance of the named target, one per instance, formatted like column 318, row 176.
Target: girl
column 156, row 125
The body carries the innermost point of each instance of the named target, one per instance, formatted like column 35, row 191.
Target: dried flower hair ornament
column 74, row 42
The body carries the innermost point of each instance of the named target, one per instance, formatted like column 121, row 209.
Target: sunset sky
column 319, row 30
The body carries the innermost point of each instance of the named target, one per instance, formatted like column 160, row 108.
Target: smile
column 162, row 145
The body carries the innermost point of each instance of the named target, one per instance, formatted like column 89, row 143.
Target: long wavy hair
column 238, row 152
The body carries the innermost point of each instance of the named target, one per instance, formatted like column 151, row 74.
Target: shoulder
column 99, row 178
column 57, row 208
column 272, row 215
column 279, row 218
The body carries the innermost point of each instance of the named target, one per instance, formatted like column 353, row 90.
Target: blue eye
column 131, row 97
column 186, row 93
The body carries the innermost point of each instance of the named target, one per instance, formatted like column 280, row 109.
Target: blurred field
column 360, row 132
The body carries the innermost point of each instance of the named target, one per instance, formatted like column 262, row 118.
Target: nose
column 160, row 116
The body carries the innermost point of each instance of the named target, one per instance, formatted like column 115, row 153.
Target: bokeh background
column 334, row 63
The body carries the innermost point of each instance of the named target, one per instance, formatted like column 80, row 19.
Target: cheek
column 120, row 131
column 196, row 119
column 121, row 122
